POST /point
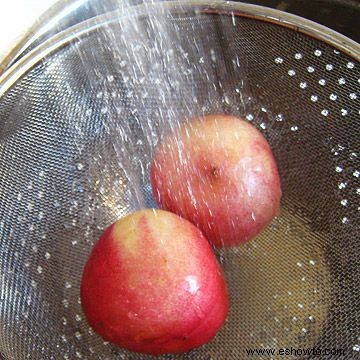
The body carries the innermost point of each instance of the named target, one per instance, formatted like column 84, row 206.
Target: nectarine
column 218, row 172
column 153, row 285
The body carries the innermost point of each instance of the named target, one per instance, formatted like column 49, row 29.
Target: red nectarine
column 218, row 172
column 153, row 285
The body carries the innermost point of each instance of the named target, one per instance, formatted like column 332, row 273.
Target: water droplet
column 78, row 335
column 34, row 248
column 344, row 112
column 110, row 78
column 294, row 128
column 345, row 220
column 47, row 256
column 301, row 306
column 322, row 82
column 249, row 117
column 310, row 69
column 192, row 284
column 303, row 85
column 350, row 65
column 353, row 96
column 339, row 169
column 299, row 264
column 329, row 67
column 77, row 317
column 314, row 98
column 63, row 338
column 298, row 56
column 325, row 112
column 67, row 285
column 132, row 315
column 279, row 117
column 80, row 166
column 356, row 347
column 356, row 173
column 226, row 100
column 342, row 185
column 317, row 52
column 333, row 97
column 279, row 60
column 30, row 207
column 233, row 19
column 33, row 283
column 344, row 202
column 312, row 262
column 263, row 126
column 78, row 354
column 65, row 303
column 39, row 269
column 292, row 72
column 212, row 55
column 64, row 321
column 342, row 81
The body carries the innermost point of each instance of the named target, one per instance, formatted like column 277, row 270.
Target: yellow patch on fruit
column 158, row 232
column 125, row 233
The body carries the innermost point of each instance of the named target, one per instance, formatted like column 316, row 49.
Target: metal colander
column 79, row 118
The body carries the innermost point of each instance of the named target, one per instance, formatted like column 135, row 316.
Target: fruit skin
column 218, row 172
column 153, row 285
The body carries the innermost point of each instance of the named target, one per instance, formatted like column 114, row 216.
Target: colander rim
column 256, row 12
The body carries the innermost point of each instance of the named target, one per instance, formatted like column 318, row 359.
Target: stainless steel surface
column 338, row 15
column 79, row 118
